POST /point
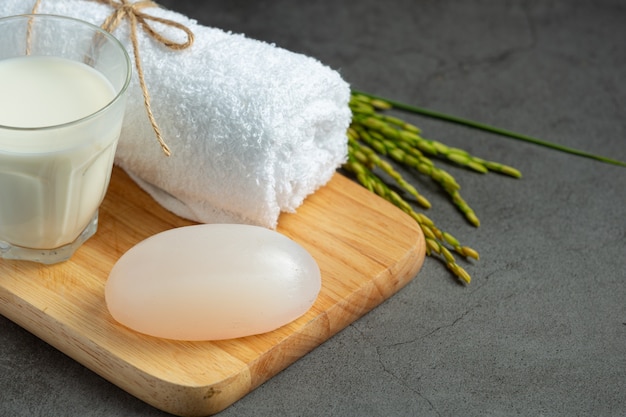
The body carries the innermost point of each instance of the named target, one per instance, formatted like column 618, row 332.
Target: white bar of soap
column 212, row 282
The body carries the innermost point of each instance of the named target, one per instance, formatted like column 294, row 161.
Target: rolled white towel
column 253, row 128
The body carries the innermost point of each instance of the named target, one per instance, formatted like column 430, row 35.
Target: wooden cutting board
column 366, row 249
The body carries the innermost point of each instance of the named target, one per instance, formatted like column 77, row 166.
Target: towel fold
column 253, row 128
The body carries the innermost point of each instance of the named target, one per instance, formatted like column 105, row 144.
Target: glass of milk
column 62, row 99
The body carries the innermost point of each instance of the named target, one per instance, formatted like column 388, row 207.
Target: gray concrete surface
column 541, row 331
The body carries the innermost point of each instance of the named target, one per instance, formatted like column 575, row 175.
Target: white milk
column 53, row 175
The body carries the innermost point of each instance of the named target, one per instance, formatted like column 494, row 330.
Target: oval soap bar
column 211, row 282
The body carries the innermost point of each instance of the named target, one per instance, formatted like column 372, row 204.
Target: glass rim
column 97, row 29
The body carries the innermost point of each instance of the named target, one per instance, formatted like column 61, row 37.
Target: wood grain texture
column 366, row 249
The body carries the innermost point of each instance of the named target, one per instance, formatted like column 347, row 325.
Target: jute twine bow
column 124, row 9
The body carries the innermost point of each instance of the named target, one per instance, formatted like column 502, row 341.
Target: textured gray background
column 542, row 328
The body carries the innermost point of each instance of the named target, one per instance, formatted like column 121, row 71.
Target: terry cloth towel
column 253, row 128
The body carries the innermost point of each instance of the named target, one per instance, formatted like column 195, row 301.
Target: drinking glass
column 63, row 87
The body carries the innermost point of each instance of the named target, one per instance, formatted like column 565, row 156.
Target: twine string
column 29, row 27
column 124, row 9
